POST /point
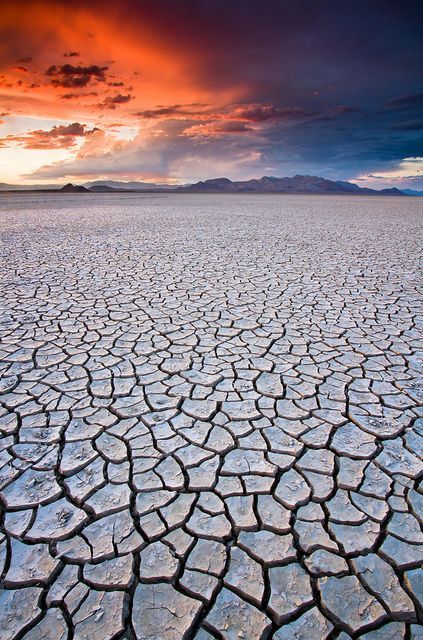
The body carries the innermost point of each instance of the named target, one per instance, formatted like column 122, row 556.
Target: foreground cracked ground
column 210, row 418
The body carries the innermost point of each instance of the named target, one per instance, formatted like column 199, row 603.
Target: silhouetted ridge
column 297, row 184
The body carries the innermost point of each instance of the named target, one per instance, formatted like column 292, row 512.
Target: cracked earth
column 210, row 418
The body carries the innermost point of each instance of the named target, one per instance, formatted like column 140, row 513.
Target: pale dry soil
column 211, row 417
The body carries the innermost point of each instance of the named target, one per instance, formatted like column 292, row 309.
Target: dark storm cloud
column 264, row 112
column 111, row 102
column 406, row 102
column 171, row 111
column 414, row 125
column 247, row 112
column 294, row 44
column 338, row 81
column 70, row 76
column 362, row 142
column 327, row 87
column 77, row 96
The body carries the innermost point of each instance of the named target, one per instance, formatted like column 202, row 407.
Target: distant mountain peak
column 73, row 188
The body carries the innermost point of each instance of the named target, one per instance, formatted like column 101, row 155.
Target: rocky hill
column 297, row 184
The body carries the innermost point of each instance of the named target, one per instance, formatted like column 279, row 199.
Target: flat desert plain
column 210, row 417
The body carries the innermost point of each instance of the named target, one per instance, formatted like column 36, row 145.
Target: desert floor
column 210, row 417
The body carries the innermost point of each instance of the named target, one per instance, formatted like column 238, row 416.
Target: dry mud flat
column 210, row 418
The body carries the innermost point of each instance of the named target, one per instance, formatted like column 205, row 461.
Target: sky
column 175, row 91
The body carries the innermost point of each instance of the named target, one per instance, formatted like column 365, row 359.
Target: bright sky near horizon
column 183, row 90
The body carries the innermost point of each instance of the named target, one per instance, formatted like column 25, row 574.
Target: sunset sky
column 182, row 90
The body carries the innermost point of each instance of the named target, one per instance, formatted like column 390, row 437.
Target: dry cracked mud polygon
column 211, row 418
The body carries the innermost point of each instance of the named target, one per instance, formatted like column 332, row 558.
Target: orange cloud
column 58, row 137
column 136, row 55
column 218, row 128
column 193, row 82
column 71, row 64
column 177, row 111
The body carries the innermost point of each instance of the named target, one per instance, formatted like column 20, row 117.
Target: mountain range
column 412, row 192
column 297, row 184
column 267, row 184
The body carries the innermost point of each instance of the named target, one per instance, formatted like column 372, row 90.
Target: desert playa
column 210, row 417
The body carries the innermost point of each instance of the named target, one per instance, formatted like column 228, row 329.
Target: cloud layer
column 185, row 89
